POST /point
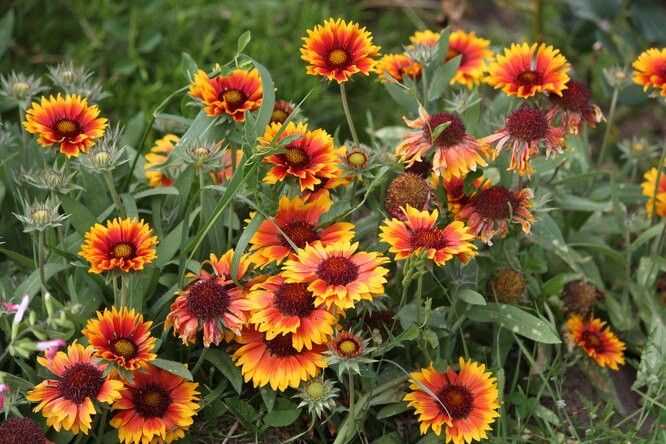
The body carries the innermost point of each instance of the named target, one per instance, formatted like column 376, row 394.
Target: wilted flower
column 580, row 296
column 50, row 178
column 507, row 286
column 107, row 154
column 21, row 88
column 39, row 216
column 407, row 189
column 347, row 351
column 574, row 107
column 318, row 395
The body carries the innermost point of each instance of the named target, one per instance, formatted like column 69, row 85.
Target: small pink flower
column 21, row 309
column 50, row 348
column 3, row 389
column 9, row 307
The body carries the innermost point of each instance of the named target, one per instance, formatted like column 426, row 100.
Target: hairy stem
column 609, row 125
column 345, row 107
column 108, row 178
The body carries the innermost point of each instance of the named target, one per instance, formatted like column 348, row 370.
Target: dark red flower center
column 233, row 97
column 207, row 299
column 458, row 401
column 300, row 234
column 422, row 169
column 428, row 238
column 528, row 124
column 338, row 57
column 294, row 300
column 278, row 116
column 575, row 98
column 451, row 135
column 592, row 340
column 348, row 345
column 529, row 78
column 124, row 347
column 123, row 250
column 295, row 156
column 81, row 381
column 67, row 128
column 337, row 270
column 281, row 345
column 151, row 400
column 21, row 431
column 495, row 203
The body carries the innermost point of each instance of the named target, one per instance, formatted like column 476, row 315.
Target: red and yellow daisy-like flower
column 155, row 407
column 656, row 194
column 574, row 107
column 418, row 233
column 426, row 38
column 456, row 152
column 455, row 191
column 525, row 70
column 276, row 362
column 298, row 221
column 228, row 166
column 212, row 303
column 398, row 67
column 68, row 122
column 465, row 403
column 67, row 401
column 122, row 244
column 339, row 179
column 158, row 156
column 527, row 129
column 598, row 341
column 279, row 308
column 310, row 158
column 650, row 70
column 281, row 111
column 122, row 337
column 489, row 212
column 233, row 94
column 337, row 274
column 338, row 49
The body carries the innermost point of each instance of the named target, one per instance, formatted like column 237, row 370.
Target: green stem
column 202, row 185
column 419, row 297
column 108, row 178
column 102, row 426
column 609, row 125
column 351, row 390
column 200, row 361
column 41, row 261
column 538, row 20
column 124, row 290
column 345, row 107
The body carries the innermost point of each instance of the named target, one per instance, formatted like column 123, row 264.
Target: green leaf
column 242, row 42
column 188, row 63
column 284, row 414
column 222, row 361
column 159, row 191
column 15, row 382
column 31, row 285
column 268, row 395
column 576, row 203
column 403, row 97
column 6, row 30
column 177, row 368
column 242, row 243
column 23, row 261
column 168, row 246
column 80, row 216
column 268, row 101
column 516, row 320
column 555, row 285
column 471, row 297
column 646, row 236
column 443, row 75
column 391, row 410
column 244, row 412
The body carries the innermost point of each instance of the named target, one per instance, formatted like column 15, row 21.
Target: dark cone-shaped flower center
column 348, row 346
column 528, row 78
column 81, row 381
column 451, row 135
column 67, row 128
column 575, row 98
column 495, row 203
column 422, row 169
column 527, row 124
column 123, row 250
column 428, row 238
column 507, row 286
column 278, row 116
column 406, row 189
column 338, row 57
column 124, row 347
column 580, row 296
column 233, row 97
column 458, row 401
column 151, row 401
column 281, row 346
column 338, row 270
column 21, row 431
column 296, row 157
column 592, row 340
column 300, row 234
column 294, row 299
column 207, row 299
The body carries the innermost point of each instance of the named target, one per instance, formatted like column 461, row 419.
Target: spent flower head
column 50, row 178
column 108, row 153
column 617, row 77
column 77, row 80
column 41, row 215
column 21, row 88
column 318, row 395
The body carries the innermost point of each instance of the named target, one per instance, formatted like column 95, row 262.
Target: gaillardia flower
column 281, row 111
column 212, row 303
column 580, row 296
column 525, row 70
column 473, row 51
column 276, row 362
column 527, row 129
column 464, row 403
column 22, row 431
column 650, row 70
column 597, row 340
column 158, row 156
column 419, row 233
column 347, row 351
column 489, row 212
column 318, row 395
column 67, row 401
column 338, row 49
column 311, row 158
column 121, row 337
column 397, row 67
column 455, row 191
column 456, row 152
column 279, row 308
column 232, row 94
column 407, row 189
column 337, row 274
column 156, row 406
column 68, row 122
column 656, row 193
column 424, row 38
column 575, row 107
column 123, row 244
column 297, row 220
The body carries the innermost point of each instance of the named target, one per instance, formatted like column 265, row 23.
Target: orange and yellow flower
column 650, row 70
column 489, row 212
column 426, row 38
column 67, row 401
column 155, row 407
column 212, row 303
column 298, row 221
column 419, row 233
column 464, row 403
column 68, row 122
column 232, row 94
column 338, row 49
column 455, row 191
column 656, row 194
column 526, row 70
column 121, row 337
column 281, row 111
column 456, row 152
column 337, row 274
column 575, row 107
column 279, row 308
column 276, row 362
column 122, row 244
column 310, row 158
column 158, row 156
column 398, row 67
column 597, row 340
